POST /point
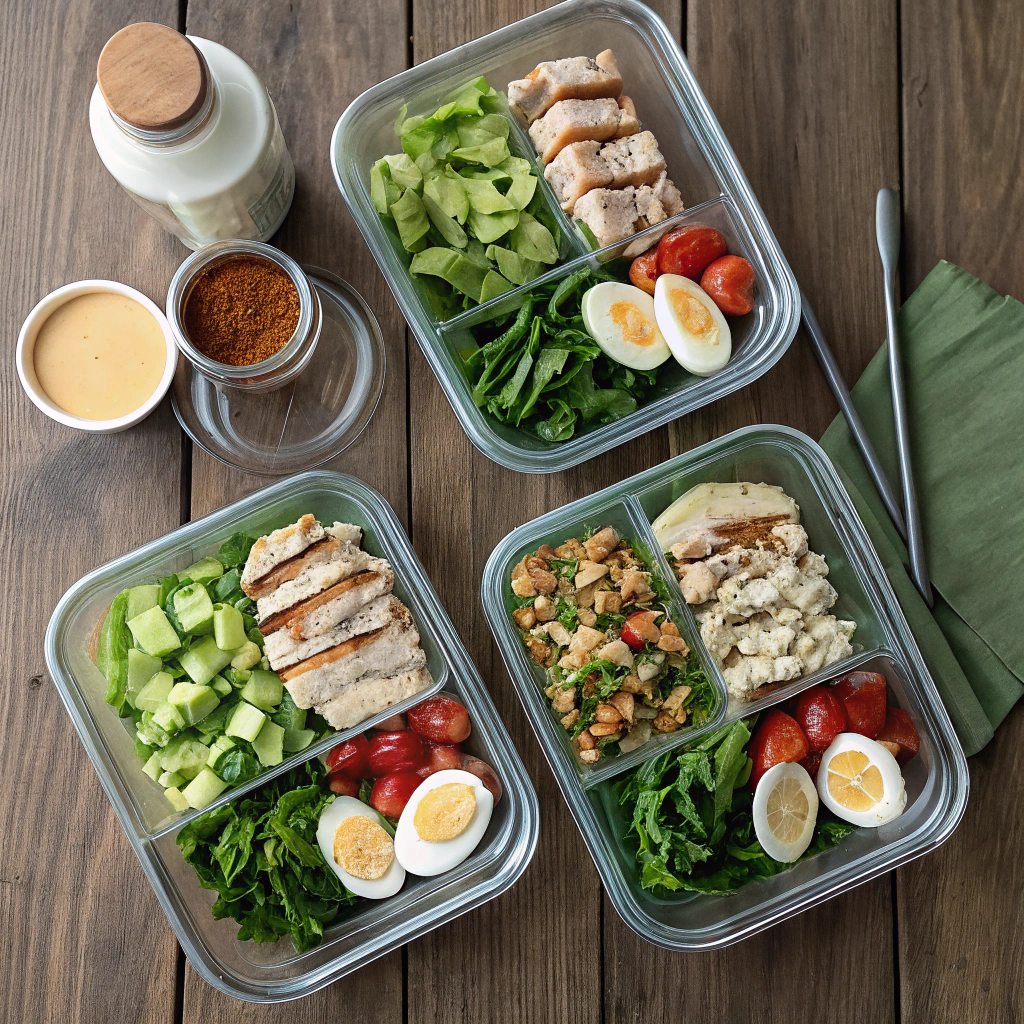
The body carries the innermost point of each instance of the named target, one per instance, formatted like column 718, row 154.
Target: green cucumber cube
column 153, row 632
column 155, row 692
column 193, row 702
column 176, row 798
column 141, row 668
column 203, row 660
column 247, row 656
column 141, row 599
column 170, row 779
column 203, row 789
column 264, row 689
column 194, row 608
column 297, row 739
column 184, row 755
column 221, row 745
column 245, row 722
column 237, row 677
column 220, row 686
column 269, row 744
column 203, row 571
column 149, row 734
column 228, row 627
column 168, row 718
column 153, row 768
column 214, row 722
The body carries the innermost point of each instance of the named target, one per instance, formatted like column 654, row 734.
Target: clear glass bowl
column 700, row 161
column 276, row 972
column 937, row 780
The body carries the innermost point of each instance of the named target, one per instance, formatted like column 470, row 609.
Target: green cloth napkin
column 963, row 360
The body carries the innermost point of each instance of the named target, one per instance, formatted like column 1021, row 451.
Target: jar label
column 271, row 206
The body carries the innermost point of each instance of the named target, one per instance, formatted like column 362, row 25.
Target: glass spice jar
column 282, row 366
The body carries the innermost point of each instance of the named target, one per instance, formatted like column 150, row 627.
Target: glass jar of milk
column 190, row 133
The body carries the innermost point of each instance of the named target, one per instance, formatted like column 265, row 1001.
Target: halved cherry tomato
column 441, row 756
column 863, row 695
column 396, row 723
column 391, row 792
column 342, row 784
column 440, row 719
column 351, row 757
column 821, row 716
column 484, row 772
column 899, row 730
column 689, row 250
column 730, row 282
column 639, row 628
column 395, row 752
column 643, row 271
column 778, row 738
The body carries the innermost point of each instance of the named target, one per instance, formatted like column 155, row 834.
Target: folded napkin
column 963, row 361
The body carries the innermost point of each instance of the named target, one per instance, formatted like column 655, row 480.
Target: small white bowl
column 27, row 344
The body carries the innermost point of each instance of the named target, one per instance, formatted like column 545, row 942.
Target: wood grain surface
column 824, row 101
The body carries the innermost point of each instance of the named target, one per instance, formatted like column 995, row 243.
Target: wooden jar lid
column 152, row 77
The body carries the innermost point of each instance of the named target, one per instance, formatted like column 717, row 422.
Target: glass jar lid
column 311, row 419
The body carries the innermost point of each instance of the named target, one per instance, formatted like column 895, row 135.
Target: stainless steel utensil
column 887, row 234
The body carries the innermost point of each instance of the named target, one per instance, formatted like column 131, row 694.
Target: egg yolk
column 445, row 812
column 694, row 317
column 363, row 848
column 854, row 782
column 635, row 327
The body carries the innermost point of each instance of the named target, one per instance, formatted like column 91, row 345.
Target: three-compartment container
column 266, row 973
column 936, row 780
column 700, row 161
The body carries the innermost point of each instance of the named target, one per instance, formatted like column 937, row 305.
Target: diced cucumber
column 194, row 608
column 265, row 664
column 141, row 668
column 215, row 721
column 150, row 734
column 220, row 745
column 228, row 627
column 171, row 779
column 184, row 755
column 203, row 660
column 176, row 798
column 297, row 739
column 264, row 689
column 246, row 656
column 141, row 599
column 193, row 702
column 203, row 789
column 237, row 677
column 245, row 722
column 220, row 686
column 153, row 632
column 154, row 693
column 168, row 718
column 269, row 744
column 153, row 768
column 203, row 571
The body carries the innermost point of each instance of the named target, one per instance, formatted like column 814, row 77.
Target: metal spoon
column 887, row 234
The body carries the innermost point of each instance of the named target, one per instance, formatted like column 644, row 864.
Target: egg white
column 333, row 815
column 597, row 317
column 419, row 857
column 702, row 355
column 785, row 853
column 894, row 798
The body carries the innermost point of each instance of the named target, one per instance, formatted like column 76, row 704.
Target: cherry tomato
column 484, row 772
column 395, row 752
column 440, row 719
column 689, row 250
column 730, row 282
column 396, row 723
column 441, row 756
column 644, row 270
column 342, row 784
column 391, row 792
column 633, row 629
column 778, row 738
column 350, row 757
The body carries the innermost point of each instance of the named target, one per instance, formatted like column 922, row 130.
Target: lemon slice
column 860, row 781
column 785, row 810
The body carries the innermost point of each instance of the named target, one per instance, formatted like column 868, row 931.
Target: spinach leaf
column 235, row 550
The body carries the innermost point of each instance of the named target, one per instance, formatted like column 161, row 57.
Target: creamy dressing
column 100, row 355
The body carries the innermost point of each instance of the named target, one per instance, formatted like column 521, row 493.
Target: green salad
column 183, row 659
column 464, row 207
column 690, row 817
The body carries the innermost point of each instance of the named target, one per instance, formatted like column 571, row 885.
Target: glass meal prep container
column 936, row 780
column 276, row 972
column 700, row 162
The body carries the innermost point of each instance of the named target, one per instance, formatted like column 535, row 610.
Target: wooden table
column 824, row 103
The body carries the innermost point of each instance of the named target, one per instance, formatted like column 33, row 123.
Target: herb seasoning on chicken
column 592, row 614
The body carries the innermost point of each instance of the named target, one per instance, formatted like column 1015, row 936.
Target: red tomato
column 643, row 271
column 442, row 756
column 899, row 728
column 631, row 635
column 812, row 762
column 350, row 757
column 778, row 738
column 342, row 784
column 395, row 752
column 440, row 719
column 863, row 698
column 484, row 772
column 821, row 716
column 391, row 792
column 689, row 250
column 730, row 282
column 396, row 723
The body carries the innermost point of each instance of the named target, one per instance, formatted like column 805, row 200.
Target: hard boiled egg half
column 620, row 318
column 358, row 847
column 443, row 822
column 692, row 325
column 860, row 781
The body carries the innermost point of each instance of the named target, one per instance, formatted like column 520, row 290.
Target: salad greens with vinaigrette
column 540, row 369
column 690, row 817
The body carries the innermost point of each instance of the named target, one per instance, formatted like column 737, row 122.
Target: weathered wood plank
column 963, row 196
column 75, row 908
column 315, row 58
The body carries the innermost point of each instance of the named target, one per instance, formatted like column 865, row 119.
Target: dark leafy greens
column 261, row 857
column 690, row 816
